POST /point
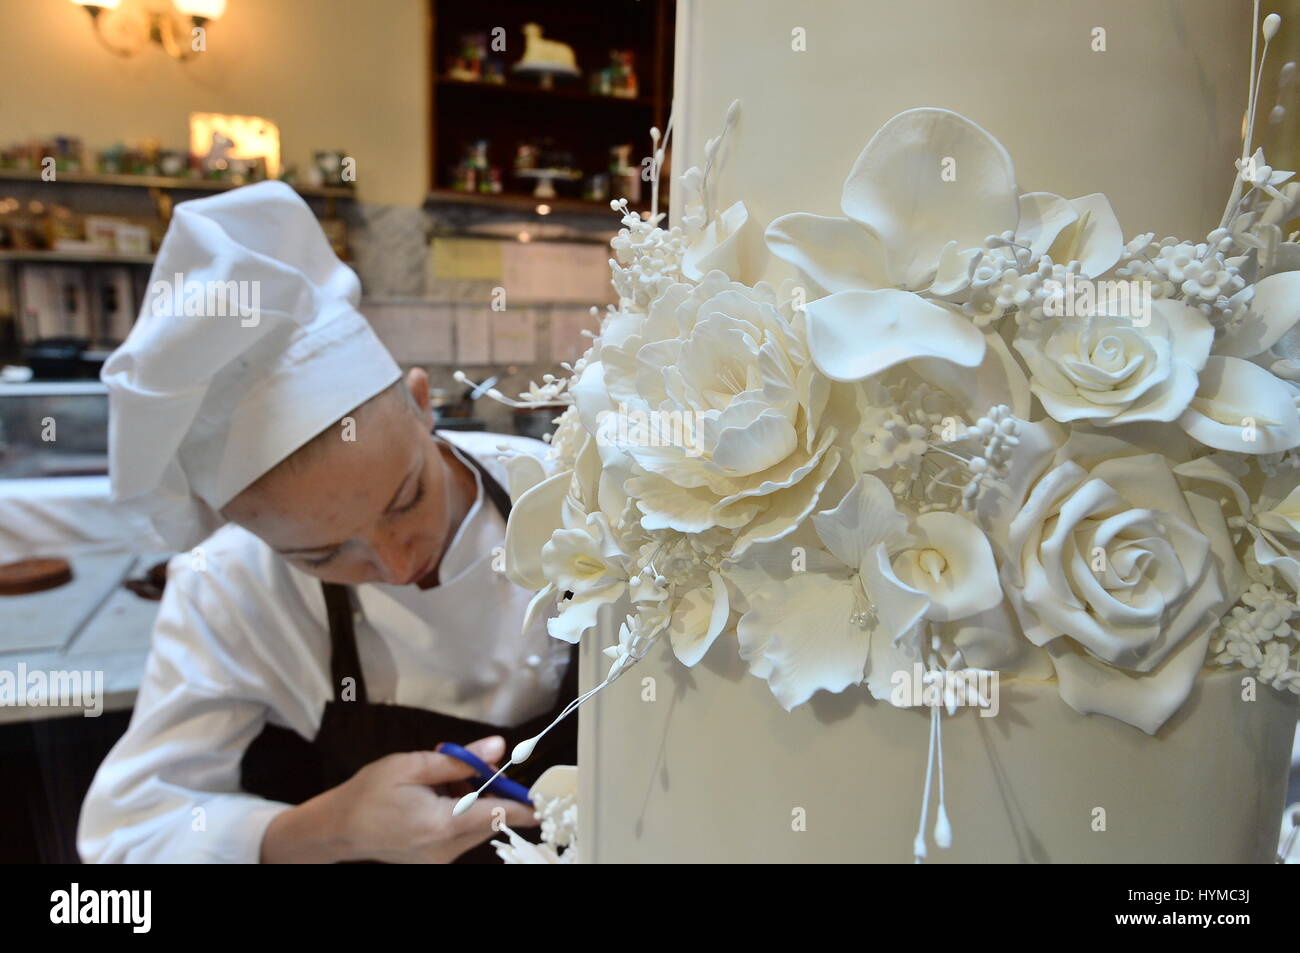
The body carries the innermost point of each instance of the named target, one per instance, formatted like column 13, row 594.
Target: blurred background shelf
column 73, row 257
column 161, row 182
column 522, row 202
column 559, row 93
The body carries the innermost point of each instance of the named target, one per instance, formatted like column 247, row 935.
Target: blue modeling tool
column 501, row 787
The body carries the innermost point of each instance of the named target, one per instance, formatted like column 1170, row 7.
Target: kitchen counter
column 89, row 625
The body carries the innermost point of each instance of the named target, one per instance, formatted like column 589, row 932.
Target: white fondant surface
column 1153, row 122
column 714, row 770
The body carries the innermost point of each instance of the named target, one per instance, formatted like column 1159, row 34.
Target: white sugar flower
column 636, row 635
column 1206, row 279
column 1242, row 407
column 1273, row 310
column 952, row 563
column 588, row 563
column 1256, row 173
column 1117, row 370
column 1110, row 567
column 910, row 228
column 713, row 399
column 1277, row 538
column 828, row 627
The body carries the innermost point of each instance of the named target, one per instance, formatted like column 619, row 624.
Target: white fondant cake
column 715, row 771
column 702, row 763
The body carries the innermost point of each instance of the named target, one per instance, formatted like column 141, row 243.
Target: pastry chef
column 335, row 610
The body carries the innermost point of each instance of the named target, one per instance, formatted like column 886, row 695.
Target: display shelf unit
column 163, row 192
column 578, row 121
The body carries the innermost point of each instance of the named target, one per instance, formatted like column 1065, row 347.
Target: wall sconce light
column 125, row 31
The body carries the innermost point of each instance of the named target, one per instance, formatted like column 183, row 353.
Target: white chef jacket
column 244, row 640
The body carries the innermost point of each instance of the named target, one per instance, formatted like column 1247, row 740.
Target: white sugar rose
column 1108, row 568
column 714, row 399
column 1117, row 370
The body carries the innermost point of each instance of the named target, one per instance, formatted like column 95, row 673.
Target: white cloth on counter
column 68, row 516
column 246, row 641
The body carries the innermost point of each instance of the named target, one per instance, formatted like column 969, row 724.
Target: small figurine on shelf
column 150, row 150
column 244, row 171
column 525, row 157
column 111, row 160
column 67, row 154
column 173, row 163
column 546, row 58
column 540, row 161
column 332, row 166
column 617, row 79
column 625, row 175
column 473, row 172
column 217, row 161
column 597, row 189
column 467, row 65
column 625, row 84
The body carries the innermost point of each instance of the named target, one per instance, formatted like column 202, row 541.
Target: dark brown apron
column 282, row 765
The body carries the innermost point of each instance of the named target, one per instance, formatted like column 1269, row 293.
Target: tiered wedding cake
column 922, row 511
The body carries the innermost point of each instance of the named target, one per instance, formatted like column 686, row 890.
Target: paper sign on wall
column 475, row 258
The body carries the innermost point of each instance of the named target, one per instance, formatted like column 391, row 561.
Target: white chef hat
column 249, row 343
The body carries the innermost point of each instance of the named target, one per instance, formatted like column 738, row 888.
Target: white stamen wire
column 918, row 844
column 660, row 149
column 934, row 755
column 1255, row 78
column 942, row 829
column 1269, row 29
column 492, row 393
column 524, row 750
column 1250, row 89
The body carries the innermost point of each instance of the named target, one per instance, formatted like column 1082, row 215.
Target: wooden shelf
column 576, row 94
column 161, row 182
column 74, row 257
column 527, row 203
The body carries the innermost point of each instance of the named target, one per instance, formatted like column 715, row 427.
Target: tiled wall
column 391, row 252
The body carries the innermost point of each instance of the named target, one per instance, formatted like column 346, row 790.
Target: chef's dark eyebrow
column 331, row 547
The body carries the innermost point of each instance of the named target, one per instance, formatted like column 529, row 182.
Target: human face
column 376, row 509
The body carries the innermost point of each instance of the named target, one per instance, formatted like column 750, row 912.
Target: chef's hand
column 390, row 811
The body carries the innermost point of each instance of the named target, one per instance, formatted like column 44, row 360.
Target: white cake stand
column 547, row 72
column 546, row 179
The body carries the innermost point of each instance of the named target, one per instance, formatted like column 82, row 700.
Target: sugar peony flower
column 712, row 398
